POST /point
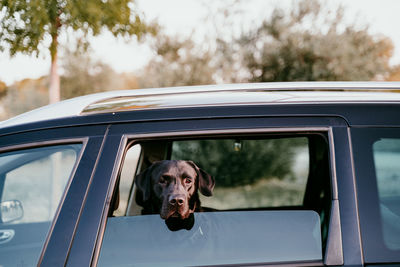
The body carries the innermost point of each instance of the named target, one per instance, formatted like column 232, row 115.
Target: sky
column 185, row 16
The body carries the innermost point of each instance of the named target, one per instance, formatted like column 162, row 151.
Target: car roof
column 214, row 95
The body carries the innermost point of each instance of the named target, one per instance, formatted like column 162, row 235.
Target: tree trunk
column 54, row 89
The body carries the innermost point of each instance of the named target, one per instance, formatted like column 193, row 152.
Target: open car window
column 270, row 202
column 251, row 173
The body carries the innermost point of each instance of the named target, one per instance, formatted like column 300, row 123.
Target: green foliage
column 308, row 43
column 34, row 26
column 304, row 43
column 241, row 162
column 26, row 25
column 178, row 62
column 23, row 25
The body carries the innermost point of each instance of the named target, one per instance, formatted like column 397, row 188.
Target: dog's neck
column 175, row 224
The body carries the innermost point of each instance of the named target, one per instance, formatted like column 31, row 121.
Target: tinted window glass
column 216, row 238
column 376, row 153
column 387, row 158
column 32, row 183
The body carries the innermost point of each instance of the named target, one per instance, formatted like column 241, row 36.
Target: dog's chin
column 172, row 214
column 178, row 223
column 175, row 214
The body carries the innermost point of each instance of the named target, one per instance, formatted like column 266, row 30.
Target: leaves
column 178, row 62
column 33, row 26
column 82, row 75
column 310, row 43
column 28, row 24
column 22, row 23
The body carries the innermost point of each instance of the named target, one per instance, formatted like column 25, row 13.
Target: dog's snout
column 176, row 200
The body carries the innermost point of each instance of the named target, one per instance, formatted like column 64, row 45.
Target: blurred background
column 55, row 50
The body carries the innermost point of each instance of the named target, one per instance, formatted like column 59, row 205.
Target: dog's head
column 170, row 188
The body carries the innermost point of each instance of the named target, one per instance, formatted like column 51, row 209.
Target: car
column 305, row 173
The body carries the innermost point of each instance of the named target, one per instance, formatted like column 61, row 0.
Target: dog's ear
column 206, row 181
column 143, row 184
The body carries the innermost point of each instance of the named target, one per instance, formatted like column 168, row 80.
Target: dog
column 171, row 188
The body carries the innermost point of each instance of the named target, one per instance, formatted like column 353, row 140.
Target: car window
column 377, row 169
column 386, row 158
column 216, row 238
column 32, row 183
column 260, row 199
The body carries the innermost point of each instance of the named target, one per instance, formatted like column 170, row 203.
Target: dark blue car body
column 349, row 114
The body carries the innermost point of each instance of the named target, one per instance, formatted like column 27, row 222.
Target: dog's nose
column 176, row 200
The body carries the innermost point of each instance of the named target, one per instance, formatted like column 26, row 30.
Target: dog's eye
column 187, row 180
column 162, row 181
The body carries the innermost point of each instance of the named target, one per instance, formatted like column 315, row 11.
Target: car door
column 97, row 213
column 44, row 175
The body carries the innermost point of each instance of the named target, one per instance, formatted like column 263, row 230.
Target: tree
column 82, row 75
column 308, row 43
column 178, row 61
column 34, row 26
column 394, row 74
column 3, row 89
column 23, row 96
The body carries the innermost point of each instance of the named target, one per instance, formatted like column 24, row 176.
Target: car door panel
column 88, row 239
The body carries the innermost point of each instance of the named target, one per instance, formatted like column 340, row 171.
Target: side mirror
column 11, row 210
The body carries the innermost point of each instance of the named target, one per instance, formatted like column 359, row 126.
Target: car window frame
column 334, row 250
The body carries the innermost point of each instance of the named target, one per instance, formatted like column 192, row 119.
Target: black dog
column 170, row 188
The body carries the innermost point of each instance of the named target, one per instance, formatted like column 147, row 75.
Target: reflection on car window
column 233, row 198
column 32, row 182
column 387, row 158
